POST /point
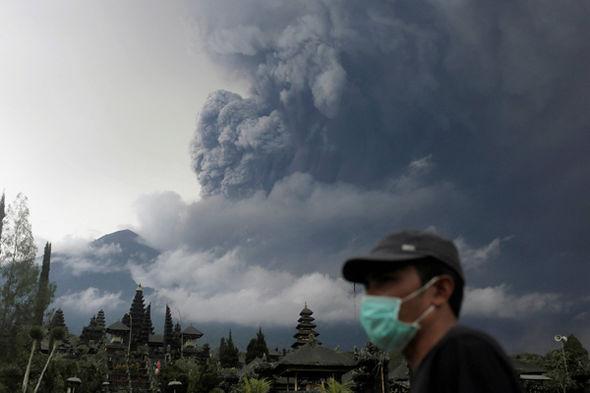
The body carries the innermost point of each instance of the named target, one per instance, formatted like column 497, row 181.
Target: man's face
column 400, row 283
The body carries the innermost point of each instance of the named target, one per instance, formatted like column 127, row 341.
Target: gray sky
column 99, row 101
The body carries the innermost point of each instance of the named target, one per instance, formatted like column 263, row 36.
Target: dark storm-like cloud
column 366, row 117
column 301, row 225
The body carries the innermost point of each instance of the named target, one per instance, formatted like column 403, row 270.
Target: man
column 414, row 290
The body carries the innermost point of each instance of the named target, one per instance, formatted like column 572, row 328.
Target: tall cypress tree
column 43, row 293
column 222, row 350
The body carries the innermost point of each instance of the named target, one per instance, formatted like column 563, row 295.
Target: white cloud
column 208, row 288
column 82, row 256
column 475, row 257
column 90, row 299
column 498, row 302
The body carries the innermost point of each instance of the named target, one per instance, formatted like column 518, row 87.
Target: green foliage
column 229, row 354
column 2, row 215
column 253, row 385
column 531, row 358
column 44, row 293
column 91, row 370
column 569, row 368
column 197, row 378
column 36, row 333
column 256, row 347
column 58, row 333
column 333, row 386
column 11, row 376
column 18, row 276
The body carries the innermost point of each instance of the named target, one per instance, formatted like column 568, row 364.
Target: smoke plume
column 366, row 117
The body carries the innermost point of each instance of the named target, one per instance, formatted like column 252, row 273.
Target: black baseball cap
column 398, row 249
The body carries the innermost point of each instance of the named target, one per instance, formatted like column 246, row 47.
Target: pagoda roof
column 317, row 355
column 306, row 334
column 192, row 332
column 306, row 325
column 118, row 327
column 306, row 311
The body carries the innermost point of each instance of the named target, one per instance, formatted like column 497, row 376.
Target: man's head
column 402, row 263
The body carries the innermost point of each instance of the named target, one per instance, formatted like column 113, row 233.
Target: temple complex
column 135, row 354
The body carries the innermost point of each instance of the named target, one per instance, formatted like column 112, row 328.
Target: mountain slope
column 102, row 264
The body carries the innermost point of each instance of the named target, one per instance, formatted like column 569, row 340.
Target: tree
column 36, row 334
column 195, row 377
column 43, row 291
column 17, row 270
column 57, row 335
column 256, row 347
column 17, row 242
column 569, row 368
column 229, row 354
column 2, row 214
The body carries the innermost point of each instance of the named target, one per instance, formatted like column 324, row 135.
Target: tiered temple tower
column 305, row 328
column 139, row 333
column 168, row 328
column 95, row 331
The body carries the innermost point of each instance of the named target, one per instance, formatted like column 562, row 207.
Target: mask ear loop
column 425, row 313
column 419, row 291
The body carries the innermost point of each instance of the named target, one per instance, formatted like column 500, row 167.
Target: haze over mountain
column 95, row 275
column 98, row 275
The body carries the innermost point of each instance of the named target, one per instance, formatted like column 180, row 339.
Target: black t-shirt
column 465, row 361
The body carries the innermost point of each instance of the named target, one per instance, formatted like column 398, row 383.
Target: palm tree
column 57, row 335
column 36, row 334
column 333, row 386
column 253, row 385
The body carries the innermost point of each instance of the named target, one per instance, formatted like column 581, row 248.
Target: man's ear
column 443, row 289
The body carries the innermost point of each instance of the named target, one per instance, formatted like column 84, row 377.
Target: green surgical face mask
column 379, row 317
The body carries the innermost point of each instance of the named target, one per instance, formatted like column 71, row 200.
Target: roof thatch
column 191, row 332
column 316, row 355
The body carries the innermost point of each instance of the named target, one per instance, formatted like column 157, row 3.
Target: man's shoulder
column 469, row 342
column 466, row 359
